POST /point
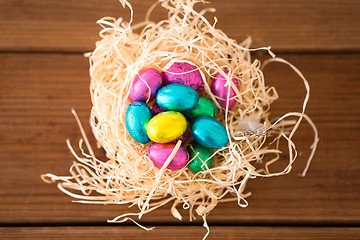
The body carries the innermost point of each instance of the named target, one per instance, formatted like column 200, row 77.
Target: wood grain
column 38, row 90
column 69, row 25
column 162, row 232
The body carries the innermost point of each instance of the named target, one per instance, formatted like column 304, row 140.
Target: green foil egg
column 177, row 97
column 166, row 127
column 137, row 116
column 209, row 132
column 204, row 108
column 198, row 163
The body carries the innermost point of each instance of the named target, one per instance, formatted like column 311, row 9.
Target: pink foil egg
column 192, row 79
column 221, row 92
column 140, row 89
column 159, row 152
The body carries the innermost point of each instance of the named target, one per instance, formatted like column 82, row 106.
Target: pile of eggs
column 178, row 113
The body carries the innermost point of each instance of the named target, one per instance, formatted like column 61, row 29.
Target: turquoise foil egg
column 137, row 116
column 177, row 97
column 209, row 132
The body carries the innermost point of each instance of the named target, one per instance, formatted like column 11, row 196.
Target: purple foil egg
column 221, row 92
column 192, row 79
column 140, row 89
column 185, row 136
column 156, row 109
column 159, row 152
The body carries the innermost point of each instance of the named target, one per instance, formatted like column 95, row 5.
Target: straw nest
column 128, row 176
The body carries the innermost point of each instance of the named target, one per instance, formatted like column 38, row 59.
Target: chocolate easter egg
column 203, row 159
column 166, row 127
column 184, row 73
column 137, row 116
column 159, row 152
column 221, row 92
column 204, row 108
column 145, row 85
column 209, row 132
column 177, row 97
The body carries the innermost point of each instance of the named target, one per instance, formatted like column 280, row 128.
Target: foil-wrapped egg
column 186, row 74
column 166, row 127
column 209, row 132
column 177, row 97
column 203, row 159
column 221, row 92
column 146, row 83
column 137, row 116
column 204, row 108
column 159, row 152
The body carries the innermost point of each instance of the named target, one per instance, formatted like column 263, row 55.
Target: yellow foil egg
column 166, row 127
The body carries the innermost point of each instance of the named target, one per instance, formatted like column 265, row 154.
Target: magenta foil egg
column 221, row 92
column 149, row 78
column 192, row 79
column 159, row 152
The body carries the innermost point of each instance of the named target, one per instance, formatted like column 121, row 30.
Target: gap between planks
column 230, row 232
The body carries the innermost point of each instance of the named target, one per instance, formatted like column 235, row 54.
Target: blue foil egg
column 209, row 132
column 137, row 116
column 177, row 97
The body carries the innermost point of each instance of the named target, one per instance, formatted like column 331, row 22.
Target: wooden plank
column 179, row 232
column 326, row 25
column 38, row 90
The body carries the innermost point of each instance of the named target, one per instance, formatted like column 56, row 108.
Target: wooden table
column 43, row 74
